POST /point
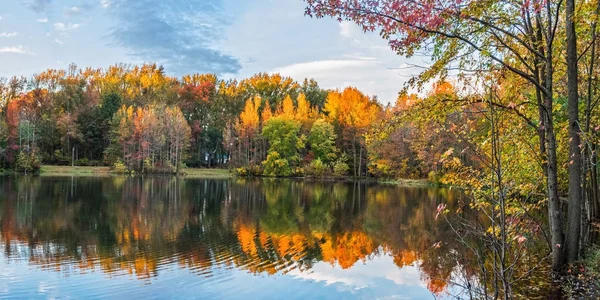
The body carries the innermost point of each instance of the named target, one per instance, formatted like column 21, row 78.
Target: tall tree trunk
column 574, row 213
column 590, row 152
column 554, row 214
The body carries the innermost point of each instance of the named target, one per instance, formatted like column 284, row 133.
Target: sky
column 231, row 38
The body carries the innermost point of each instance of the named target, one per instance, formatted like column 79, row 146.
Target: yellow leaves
column 266, row 113
column 287, row 110
column 249, row 118
column 332, row 105
column 351, row 108
column 406, row 101
column 197, row 79
column 303, row 111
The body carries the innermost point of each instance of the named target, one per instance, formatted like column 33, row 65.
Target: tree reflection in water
column 139, row 226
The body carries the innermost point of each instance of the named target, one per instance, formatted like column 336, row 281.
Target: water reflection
column 352, row 239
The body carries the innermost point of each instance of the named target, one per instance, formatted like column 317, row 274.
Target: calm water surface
column 162, row 237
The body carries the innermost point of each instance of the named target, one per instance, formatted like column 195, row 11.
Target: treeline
column 136, row 118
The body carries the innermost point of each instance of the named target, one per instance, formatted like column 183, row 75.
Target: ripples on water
column 162, row 237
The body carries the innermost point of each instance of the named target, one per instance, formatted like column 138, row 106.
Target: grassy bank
column 411, row 182
column 207, row 173
column 73, row 171
column 48, row 170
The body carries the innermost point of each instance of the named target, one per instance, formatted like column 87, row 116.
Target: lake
column 163, row 237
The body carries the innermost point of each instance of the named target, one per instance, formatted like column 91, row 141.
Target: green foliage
column 285, row 142
column 111, row 102
column 275, row 165
column 119, row 168
column 592, row 260
column 88, row 163
column 249, row 171
column 317, row 168
column 340, row 167
column 27, row 162
column 60, row 158
column 322, row 141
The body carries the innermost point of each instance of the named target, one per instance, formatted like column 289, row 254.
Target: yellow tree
column 287, row 109
column 304, row 113
column 353, row 112
column 266, row 113
column 248, row 126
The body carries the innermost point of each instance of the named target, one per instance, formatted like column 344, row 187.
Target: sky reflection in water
column 167, row 238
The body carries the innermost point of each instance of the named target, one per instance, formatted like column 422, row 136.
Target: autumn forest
column 136, row 118
column 504, row 110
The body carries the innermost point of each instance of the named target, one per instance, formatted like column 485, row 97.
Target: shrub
column 27, row 162
column 592, row 260
column 317, row 168
column 82, row 162
column 275, row 165
column 60, row 158
column 248, row 171
column 298, row 172
column 340, row 167
column 381, row 168
column 434, row 177
column 120, row 168
column 148, row 167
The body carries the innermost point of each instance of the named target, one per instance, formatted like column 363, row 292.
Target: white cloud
column 15, row 50
column 0, row 17
column 105, row 3
column 351, row 30
column 59, row 41
column 363, row 275
column 43, row 20
column 65, row 27
column 371, row 76
column 346, row 29
column 8, row 34
column 302, row 70
column 73, row 10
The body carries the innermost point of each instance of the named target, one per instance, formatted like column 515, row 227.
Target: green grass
column 71, row 171
column 207, row 173
column 48, row 170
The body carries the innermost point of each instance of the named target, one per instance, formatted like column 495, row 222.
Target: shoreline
column 191, row 173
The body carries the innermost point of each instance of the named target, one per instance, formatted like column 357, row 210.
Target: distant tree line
column 136, row 118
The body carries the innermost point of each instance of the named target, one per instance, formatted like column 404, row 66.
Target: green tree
column 285, row 141
column 322, row 141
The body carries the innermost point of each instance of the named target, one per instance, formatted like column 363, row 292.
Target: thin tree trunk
column 360, row 159
column 574, row 212
column 590, row 144
column 554, row 214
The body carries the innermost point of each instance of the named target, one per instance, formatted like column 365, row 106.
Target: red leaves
column 197, row 92
column 404, row 23
column 439, row 210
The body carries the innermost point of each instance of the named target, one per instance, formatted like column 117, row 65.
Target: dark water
column 161, row 237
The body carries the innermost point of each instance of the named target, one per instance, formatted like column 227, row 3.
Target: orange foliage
column 405, row 101
column 347, row 249
column 266, row 113
column 249, row 118
column 442, row 88
column 287, row 109
column 351, row 108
